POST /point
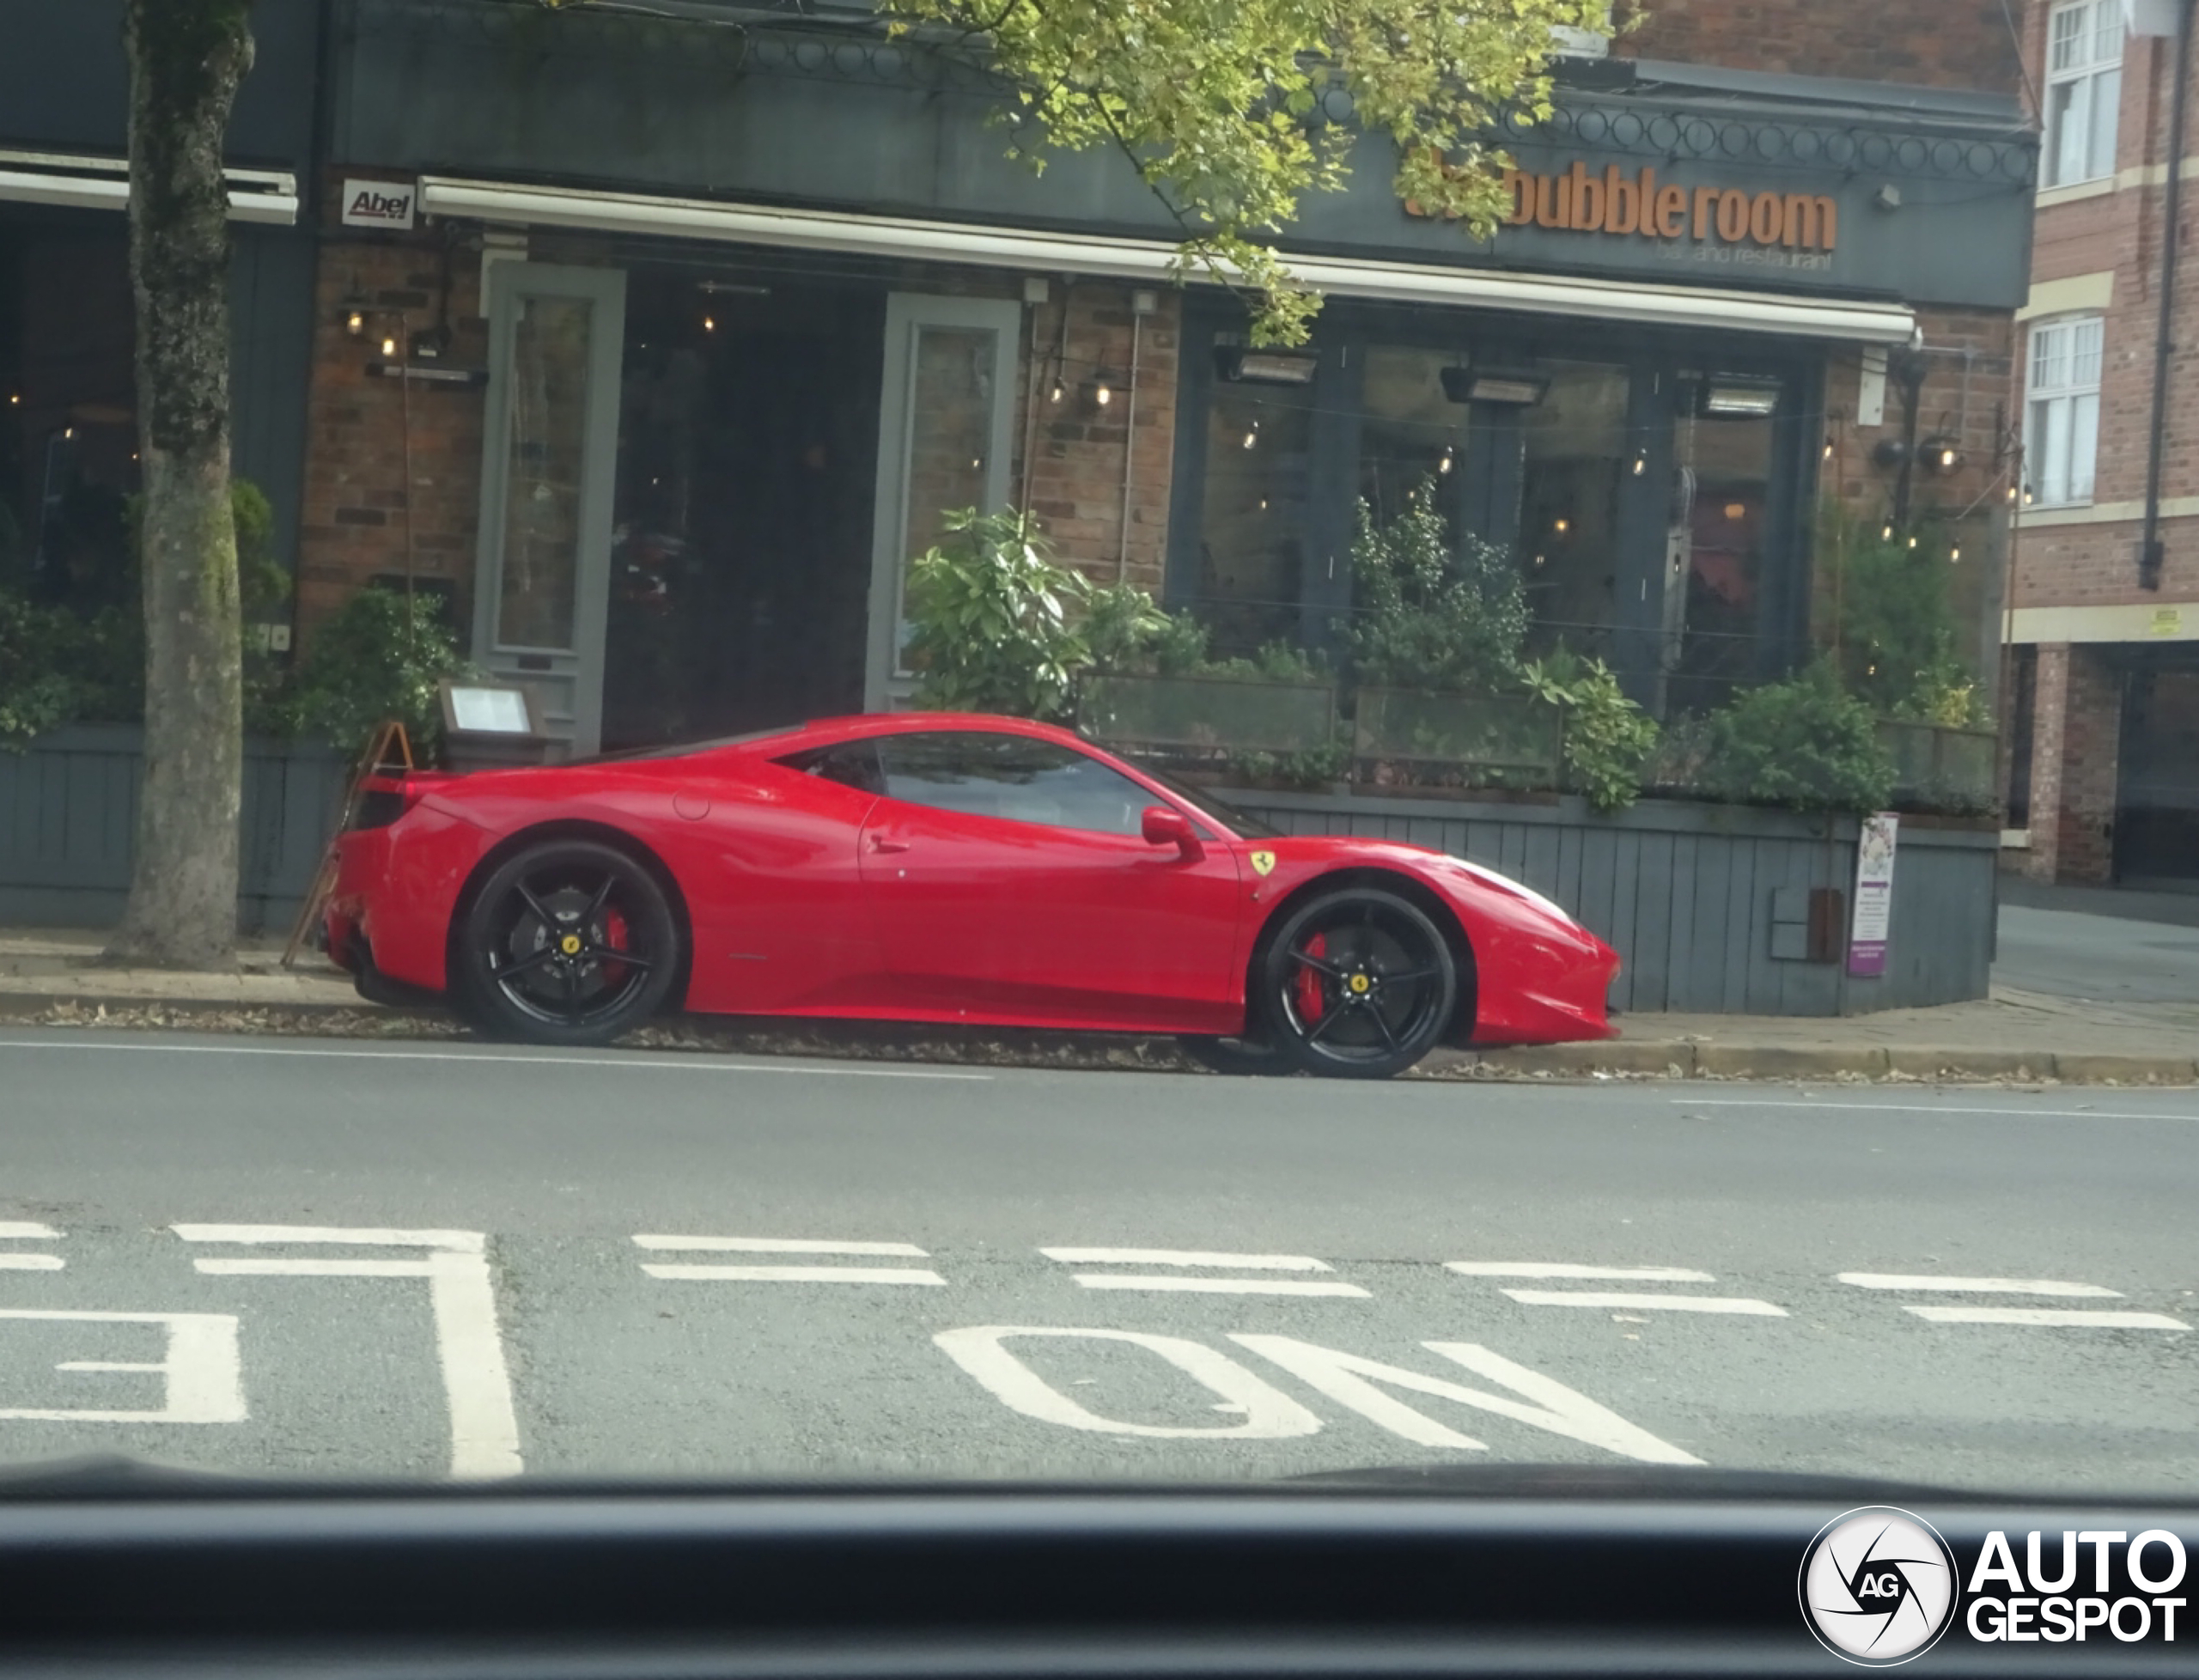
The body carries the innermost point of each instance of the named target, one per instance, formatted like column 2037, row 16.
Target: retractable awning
column 103, row 183
column 1152, row 259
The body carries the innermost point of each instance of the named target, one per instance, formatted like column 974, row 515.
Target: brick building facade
column 2104, row 784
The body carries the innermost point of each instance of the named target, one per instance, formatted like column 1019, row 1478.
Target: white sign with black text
column 378, row 204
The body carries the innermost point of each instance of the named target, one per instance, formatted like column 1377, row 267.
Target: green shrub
column 378, row 656
column 1896, row 627
column 1803, row 743
column 1608, row 739
column 1433, row 613
column 992, row 625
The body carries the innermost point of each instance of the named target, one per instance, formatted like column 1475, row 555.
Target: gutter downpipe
column 2150, row 554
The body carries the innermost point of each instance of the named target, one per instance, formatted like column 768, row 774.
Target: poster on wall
column 1866, row 935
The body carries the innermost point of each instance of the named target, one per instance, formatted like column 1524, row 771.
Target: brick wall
column 361, row 518
column 1943, row 43
column 2076, row 721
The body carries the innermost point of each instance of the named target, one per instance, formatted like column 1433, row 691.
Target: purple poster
column 1867, row 936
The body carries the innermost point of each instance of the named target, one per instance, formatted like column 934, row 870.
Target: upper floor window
column 2062, row 416
column 2084, row 85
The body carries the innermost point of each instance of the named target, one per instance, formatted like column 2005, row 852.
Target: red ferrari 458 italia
column 927, row 867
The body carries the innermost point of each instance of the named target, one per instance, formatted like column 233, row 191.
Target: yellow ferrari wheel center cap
column 570, row 945
column 1359, row 983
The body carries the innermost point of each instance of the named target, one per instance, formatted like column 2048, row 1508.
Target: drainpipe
column 2150, row 554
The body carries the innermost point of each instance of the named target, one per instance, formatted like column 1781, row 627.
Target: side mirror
column 1163, row 827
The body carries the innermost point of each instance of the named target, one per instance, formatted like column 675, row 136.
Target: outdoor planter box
column 1207, row 714
column 1941, row 765
column 1515, row 737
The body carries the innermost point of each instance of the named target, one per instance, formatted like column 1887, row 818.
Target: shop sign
column 1867, row 934
column 1611, row 201
column 2166, row 621
column 378, row 203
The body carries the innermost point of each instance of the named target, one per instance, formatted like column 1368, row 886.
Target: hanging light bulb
column 1103, row 393
column 1641, row 465
column 1055, row 393
column 1252, row 436
column 356, row 324
column 1828, row 447
column 1561, row 525
column 1886, row 532
column 14, row 397
column 1443, row 466
column 1263, row 504
column 1954, row 554
column 2027, row 495
column 389, row 347
column 2012, row 492
column 1912, row 542
column 709, row 323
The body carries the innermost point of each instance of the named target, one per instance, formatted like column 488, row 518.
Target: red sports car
column 928, row 867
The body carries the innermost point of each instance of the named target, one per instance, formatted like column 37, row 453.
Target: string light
column 1828, row 448
column 1641, row 465
column 1252, row 436
column 14, row 398
column 68, row 431
column 389, row 347
column 709, row 323
column 1954, row 554
column 1886, row 532
column 1912, row 542
column 1538, row 559
column 1561, row 525
column 1055, row 393
column 1103, row 393
column 1443, row 466
column 356, row 324
column 2012, row 492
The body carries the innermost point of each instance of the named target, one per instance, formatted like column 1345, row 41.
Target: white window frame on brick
column 2062, row 368
column 2084, row 87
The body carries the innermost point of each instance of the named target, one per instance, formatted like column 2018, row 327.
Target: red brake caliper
column 1310, row 992
column 614, row 936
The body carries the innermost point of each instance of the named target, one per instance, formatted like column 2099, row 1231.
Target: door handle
column 878, row 842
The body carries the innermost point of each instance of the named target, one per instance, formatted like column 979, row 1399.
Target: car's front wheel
column 568, row 942
column 1357, row 983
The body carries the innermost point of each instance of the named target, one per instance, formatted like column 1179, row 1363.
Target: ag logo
column 1263, row 863
column 1877, row 1586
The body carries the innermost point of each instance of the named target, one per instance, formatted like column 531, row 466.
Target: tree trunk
column 186, row 58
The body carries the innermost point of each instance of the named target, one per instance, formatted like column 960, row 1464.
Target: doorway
column 740, row 554
column 2156, row 824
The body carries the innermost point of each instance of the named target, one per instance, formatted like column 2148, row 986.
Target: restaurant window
column 1253, row 532
column 1717, row 537
column 1576, row 449
column 2061, row 409
column 2084, row 85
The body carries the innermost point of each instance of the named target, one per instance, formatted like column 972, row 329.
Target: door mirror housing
column 1163, row 827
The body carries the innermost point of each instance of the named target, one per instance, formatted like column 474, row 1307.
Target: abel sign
column 1867, row 936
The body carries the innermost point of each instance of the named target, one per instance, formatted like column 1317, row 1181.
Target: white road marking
column 204, row 1370
column 365, row 1236
column 1921, row 1108
column 1602, row 1297
column 1559, row 1268
column 12, row 1228
column 1219, row 1286
column 683, row 1061
column 1978, row 1285
column 1266, row 1412
column 796, row 1275
column 1185, row 1257
column 30, row 1263
column 2058, row 1317
column 778, row 1245
column 461, row 1298
column 1548, row 1404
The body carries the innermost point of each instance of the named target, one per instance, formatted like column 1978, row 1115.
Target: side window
column 1011, row 777
column 2061, row 409
column 2084, row 85
column 850, row 764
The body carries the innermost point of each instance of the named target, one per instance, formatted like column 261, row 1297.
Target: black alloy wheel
column 569, row 942
column 1357, row 983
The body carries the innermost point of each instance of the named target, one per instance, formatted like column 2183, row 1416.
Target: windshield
column 1722, row 511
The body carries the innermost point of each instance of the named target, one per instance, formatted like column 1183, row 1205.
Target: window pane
column 539, row 576
column 2051, row 450
column 2069, row 26
column 2107, row 33
column 1251, row 541
column 951, row 385
column 1014, row 779
column 2065, row 131
column 2106, row 94
column 1576, row 449
column 1410, row 429
column 2049, row 358
column 2084, row 351
column 1716, row 541
column 2083, row 445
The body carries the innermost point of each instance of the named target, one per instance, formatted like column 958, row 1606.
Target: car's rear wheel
column 569, row 942
column 1357, row 983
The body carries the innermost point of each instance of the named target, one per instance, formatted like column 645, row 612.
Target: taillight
column 382, row 801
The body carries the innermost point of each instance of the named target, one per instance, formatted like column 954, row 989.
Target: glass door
column 946, row 417
column 549, row 456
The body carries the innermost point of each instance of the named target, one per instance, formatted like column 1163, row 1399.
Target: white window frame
column 2084, row 67
column 2062, row 362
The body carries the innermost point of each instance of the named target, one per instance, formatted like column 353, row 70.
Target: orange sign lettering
column 1615, row 203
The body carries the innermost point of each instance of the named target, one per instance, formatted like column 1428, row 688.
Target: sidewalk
column 52, row 979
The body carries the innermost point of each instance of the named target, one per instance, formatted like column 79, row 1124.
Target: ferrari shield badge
column 1263, row 863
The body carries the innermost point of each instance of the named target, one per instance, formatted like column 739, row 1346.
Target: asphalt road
column 2106, row 959
column 347, row 1258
